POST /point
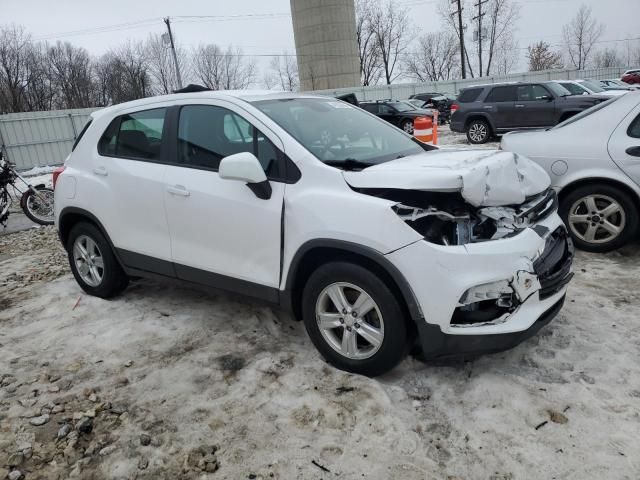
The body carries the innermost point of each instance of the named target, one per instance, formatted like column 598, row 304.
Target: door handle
column 633, row 151
column 519, row 105
column 101, row 171
column 178, row 190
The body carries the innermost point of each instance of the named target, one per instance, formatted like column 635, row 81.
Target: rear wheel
column 600, row 218
column 93, row 263
column 407, row 126
column 478, row 131
column 353, row 319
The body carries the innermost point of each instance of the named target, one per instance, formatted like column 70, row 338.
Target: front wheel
column 38, row 205
column 600, row 218
column 353, row 319
column 478, row 132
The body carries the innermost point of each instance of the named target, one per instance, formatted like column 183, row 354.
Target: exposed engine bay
column 446, row 218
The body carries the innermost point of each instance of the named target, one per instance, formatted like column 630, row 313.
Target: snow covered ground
column 171, row 381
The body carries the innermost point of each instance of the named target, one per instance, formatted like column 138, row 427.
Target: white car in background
column 588, row 87
column 615, row 84
column 593, row 160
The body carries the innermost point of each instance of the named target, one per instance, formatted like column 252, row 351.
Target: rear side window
column 502, row 94
column 634, row 128
column 469, row 95
column 79, row 137
column 136, row 135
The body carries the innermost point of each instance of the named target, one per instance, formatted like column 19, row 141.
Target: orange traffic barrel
column 423, row 129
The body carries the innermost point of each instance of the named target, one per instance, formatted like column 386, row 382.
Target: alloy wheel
column 478, row 132
column 596, row 218
column 349, row 320
column 88, row 260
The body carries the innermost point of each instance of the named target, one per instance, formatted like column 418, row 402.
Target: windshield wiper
column 349, row 164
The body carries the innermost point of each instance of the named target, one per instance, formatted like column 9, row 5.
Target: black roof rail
column 191, row 88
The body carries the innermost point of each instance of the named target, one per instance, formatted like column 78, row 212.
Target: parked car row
column 484, row 111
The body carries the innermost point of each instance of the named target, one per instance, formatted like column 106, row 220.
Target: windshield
column 337, row 131
column 401, row 106
column 586, row 113
column 557, row 89
column 592, row 86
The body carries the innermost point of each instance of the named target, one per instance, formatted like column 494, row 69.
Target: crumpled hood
column 485, row 178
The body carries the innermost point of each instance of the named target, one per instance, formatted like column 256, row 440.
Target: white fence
column 45, row 138
column 37, row 139
column 400, row 91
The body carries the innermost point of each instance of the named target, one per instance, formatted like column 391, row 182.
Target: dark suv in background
column 487, row 110
column 400, row 114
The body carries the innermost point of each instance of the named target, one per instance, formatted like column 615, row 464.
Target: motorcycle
column 36, row 201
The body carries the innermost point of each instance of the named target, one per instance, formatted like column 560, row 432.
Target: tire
column 478, row 131
column 407, row 126
column 574, row 210
column 30, row 202
column 112, row 280
column 383, row 321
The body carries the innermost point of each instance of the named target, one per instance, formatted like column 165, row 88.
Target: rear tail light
column 454, row 107
column 56, row 174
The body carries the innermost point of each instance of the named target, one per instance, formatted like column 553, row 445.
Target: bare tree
column 71, row 74
column 368, row 49
column 283, row 73
column 542, row 57
column 162, row 66
column 607, row 58
column 122, row 75
column 390, row 26
column 15, row 50
column 436, row 57
column 500, row 21
column 223, row 70
column 580, row 36
column 506, row 56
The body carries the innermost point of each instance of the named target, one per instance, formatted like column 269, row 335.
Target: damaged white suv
column 378, row 243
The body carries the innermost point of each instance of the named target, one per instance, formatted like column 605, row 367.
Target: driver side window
column 207, row 134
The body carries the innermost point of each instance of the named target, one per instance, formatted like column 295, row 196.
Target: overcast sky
column 263, row 27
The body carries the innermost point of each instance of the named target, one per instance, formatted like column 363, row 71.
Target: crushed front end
column 486, row 278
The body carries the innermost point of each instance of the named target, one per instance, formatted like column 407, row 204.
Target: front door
column 534, row 106
column 624, row 144
column 222, row 234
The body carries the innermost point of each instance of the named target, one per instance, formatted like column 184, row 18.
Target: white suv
column 378, row 243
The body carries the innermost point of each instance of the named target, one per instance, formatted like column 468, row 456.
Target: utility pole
column 173, row 50
column 479, row 18
column 461, row 36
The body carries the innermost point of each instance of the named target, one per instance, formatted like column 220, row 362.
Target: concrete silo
column 326, row 46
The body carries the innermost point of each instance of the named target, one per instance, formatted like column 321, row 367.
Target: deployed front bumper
column 536, row 264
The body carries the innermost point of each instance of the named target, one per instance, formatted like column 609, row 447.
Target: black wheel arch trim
column 67, row 211
column 371, row 254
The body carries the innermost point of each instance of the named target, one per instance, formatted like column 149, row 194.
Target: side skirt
column 136, row 264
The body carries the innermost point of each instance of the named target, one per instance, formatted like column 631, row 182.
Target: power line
column 104, row 29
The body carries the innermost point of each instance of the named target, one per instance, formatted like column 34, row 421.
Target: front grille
column 553, row 267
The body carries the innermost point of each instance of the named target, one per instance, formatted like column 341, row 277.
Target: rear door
column 624, row 144
column 534, row 106
column 127, row 196
column 500, row 104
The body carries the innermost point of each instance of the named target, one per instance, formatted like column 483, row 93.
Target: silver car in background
column 593, row 160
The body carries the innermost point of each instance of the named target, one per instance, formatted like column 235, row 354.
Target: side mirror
column 244, row 166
